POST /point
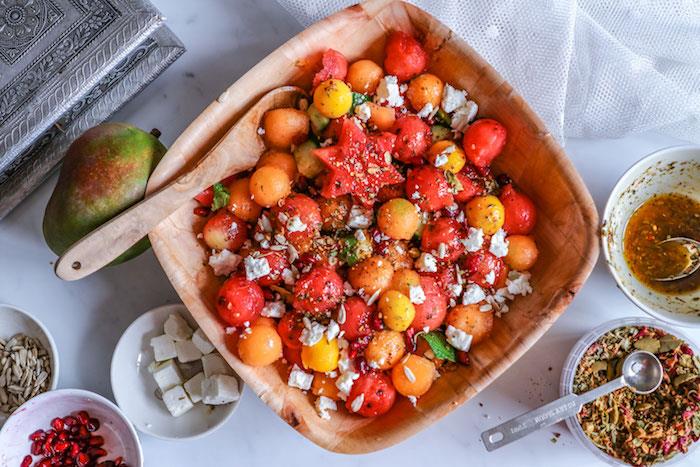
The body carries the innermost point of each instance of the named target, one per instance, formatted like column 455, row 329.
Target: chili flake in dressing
column 659, row 218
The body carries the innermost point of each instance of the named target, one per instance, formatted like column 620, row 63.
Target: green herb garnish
column 350, row 253
column 221, row 196
column 438, row 344
column 358, row 98
column 454, row 182
column 443, row 118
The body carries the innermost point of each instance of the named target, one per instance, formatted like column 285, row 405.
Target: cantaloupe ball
column 260, row 346
column 413, row 375
column 268, row 185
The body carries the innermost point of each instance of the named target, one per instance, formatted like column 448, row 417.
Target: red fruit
column 520, row 211
column 431, row 313
column 37, row 447
column 405, row 58
column 83, row 417
column 471, row 186
column 239, row 300
column 479, row 264
column 93, row 425
column 225, row 231
column 289, row 328
column 74, row 449
column 357, row 318
column 277, row 260
column 483, row 141
column 46, row 462
column 60, row 446
column 96, row 453
column 318, row 290
column 376, row 393
column 57, row 424
column 463, row 357
column 334, row 65
column 413, row 138
column 206, row 197
column 82, row 459
column 37, row 435
column 293, row 357
column 309, row 214
column 358, row 346
column 427, row 187
column 26, row 462
column 201, row 211
column 443, row 231
column 357, row 164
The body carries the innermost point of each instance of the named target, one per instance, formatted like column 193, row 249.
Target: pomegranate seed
column 68, row 461
column 201, row 211
column 96, row 441
column 63, row 435
column 74, row 449
column 463, row 357
column 83, row 417
column 26, row 462
column 408, row 337
column 61, row 446
column 57, row 460
column 82, row 459
column 48, row 448
column 362, row 366
column 376, row 322
column 70, row 420
column 83, row 432
column 57, row 424
column 93, row 424
column 119, row 460
column 96, row 452
column 45, row 462
column 37, row 435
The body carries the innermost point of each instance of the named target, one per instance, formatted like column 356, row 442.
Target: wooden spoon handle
column 111, row 239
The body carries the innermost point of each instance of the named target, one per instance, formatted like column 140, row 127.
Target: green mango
column 104, row 172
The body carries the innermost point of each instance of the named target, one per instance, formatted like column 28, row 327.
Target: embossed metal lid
column 66, row 65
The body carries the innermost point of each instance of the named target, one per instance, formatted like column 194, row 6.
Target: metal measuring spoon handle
column 544, row 416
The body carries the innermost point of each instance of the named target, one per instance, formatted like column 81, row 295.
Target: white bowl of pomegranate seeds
column 69, row 424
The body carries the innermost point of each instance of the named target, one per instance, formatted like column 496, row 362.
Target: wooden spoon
column 237, row 151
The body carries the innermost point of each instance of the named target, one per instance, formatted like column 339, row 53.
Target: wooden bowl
column 565, row 233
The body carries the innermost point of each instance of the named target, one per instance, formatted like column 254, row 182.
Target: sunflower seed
column 25, row 371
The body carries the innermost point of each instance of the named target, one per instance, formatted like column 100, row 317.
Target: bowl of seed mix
column 28, row 359
column 624, row 428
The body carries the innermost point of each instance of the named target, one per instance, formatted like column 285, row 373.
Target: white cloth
column 589, row 68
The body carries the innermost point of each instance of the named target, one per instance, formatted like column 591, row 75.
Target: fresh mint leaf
column 221, row 196
column 438, row 344
column 349, row 253
column 359, row 98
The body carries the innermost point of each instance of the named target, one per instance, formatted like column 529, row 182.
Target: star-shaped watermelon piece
column 359, row 164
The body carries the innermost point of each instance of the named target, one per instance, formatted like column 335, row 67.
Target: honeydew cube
column 166, row 374
column 177, row 401
column 193, row 386
column 163, row 348
column 214, row 364
column 199, row 339
column 220, row 389
column 177, row 328
column 187, row 351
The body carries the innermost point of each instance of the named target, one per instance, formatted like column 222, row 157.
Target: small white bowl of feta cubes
column 169, row 379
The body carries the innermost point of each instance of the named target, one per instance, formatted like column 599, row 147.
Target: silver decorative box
column 65, row 66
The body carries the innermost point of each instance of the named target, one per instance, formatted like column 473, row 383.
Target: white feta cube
column 177, row 328
column 214, row 364
column 224, row 262
column 256, row 267
column 199, row 339
column 464, row 115
column 187, row 351
column 388, row 92
column 458, row 339
column 193, row 386
column 220, row 389
column 163, row 348
column 177, row 401
column 300, row 379
column 499, row 244
column 323, row 405
column 167, row 374
column 426, row 263
column 274, row 309
column 452, row 98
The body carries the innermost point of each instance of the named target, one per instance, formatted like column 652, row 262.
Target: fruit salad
column 372, row 247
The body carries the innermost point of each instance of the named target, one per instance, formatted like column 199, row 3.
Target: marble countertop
column 224, row 39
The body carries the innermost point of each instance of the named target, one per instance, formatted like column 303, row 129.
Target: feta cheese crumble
column 473, row 294
column 363, row 111
column 359, row 218
column 499, row 244
column 274, row 309
column 256, row 268
column 312, row 333
column 294, row 224
column 224, row 262
column 388, row 92
column 323, row 405
column 426, row 263
column 518, row 283
column 464, row 115
column 413, row 400
column 416, row 294
column 332, row 331
column 345, row 381
column 453, row 98
column 300, row 379
column 490, row 278
column 426, row 111
column 474, row 240
column 458, row 339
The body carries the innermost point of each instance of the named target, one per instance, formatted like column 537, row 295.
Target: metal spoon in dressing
column 236, row 152
column 642, row 372
column 693, row 264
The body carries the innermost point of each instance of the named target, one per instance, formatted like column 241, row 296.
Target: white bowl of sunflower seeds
column 28, row 359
